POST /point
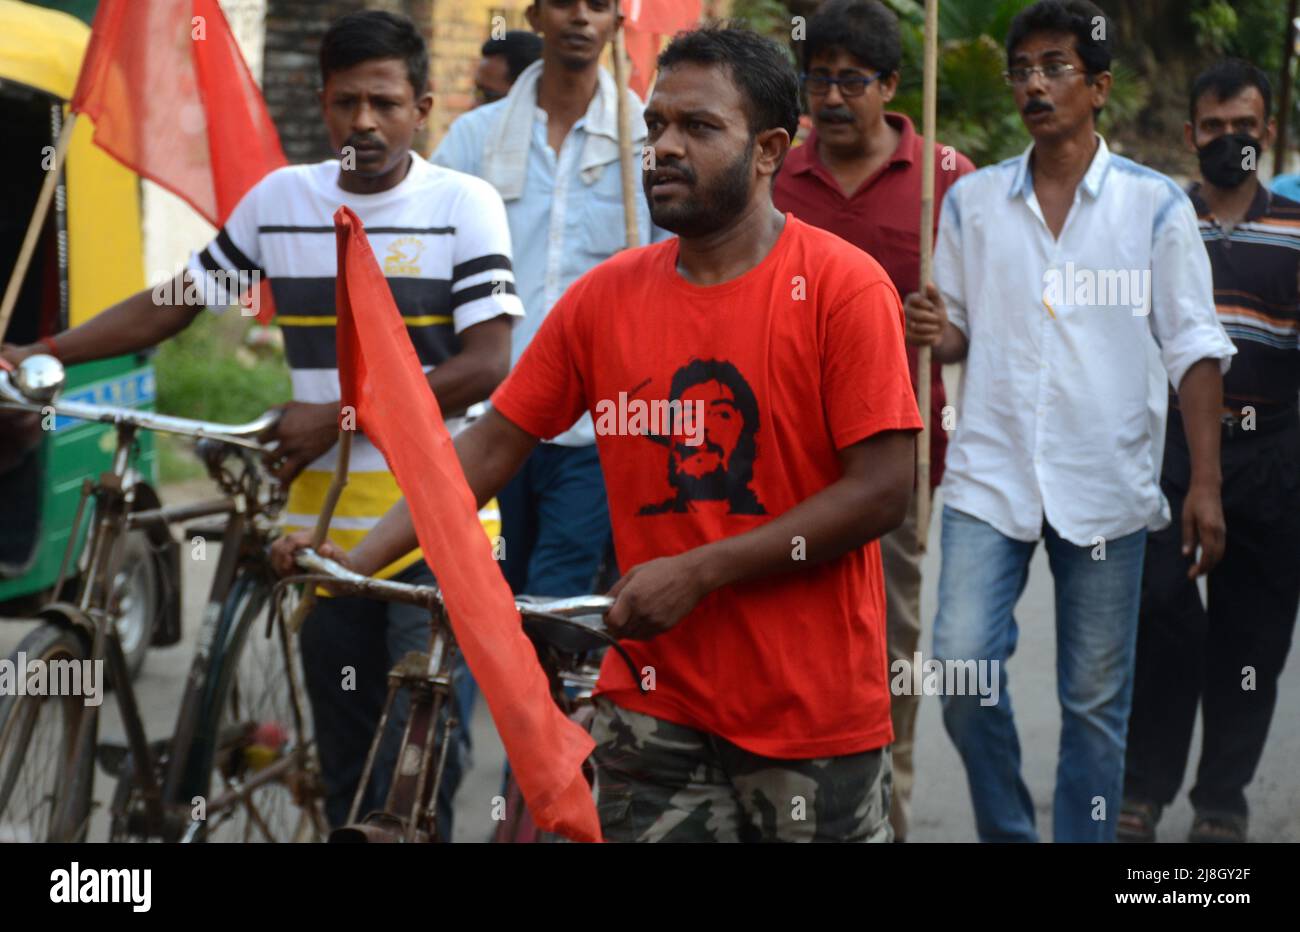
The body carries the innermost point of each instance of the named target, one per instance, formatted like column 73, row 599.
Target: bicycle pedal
column 112, row 756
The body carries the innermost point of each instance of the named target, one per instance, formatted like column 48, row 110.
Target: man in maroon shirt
column 859, row 176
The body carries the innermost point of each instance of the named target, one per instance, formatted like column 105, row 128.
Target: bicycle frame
column 166, row 804
column 410, row 809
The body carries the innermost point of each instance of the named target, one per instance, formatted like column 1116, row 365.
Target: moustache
column 1037, row 106
column 363, row 142
column 835, row 115
column 670, row 172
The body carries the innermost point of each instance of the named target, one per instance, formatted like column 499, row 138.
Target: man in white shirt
column 1073, row 284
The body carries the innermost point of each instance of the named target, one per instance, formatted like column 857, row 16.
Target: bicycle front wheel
column 39, row 767
column 263, row 779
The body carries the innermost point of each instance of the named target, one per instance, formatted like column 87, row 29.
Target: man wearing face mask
column 1226, row 657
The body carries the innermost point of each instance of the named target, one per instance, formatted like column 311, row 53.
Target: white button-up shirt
column 563, row 224
column 1063, row 403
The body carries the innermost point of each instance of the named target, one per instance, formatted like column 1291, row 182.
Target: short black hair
column 758, row 67
column 1226, row 79
column 866, row 29
column 520, row 48
column 375, row 34
column 1078, row 18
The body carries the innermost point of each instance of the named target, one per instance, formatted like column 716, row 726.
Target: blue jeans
column 982, row 578
column 555, row 522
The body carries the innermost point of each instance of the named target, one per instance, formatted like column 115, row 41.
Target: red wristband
column 48, row 342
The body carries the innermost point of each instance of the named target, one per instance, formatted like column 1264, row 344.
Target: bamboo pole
column 626, row 158
column 337, row 483
column 930, row 97
column 36, row 224
column 1284, row 91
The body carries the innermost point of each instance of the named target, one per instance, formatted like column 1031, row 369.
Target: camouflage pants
column 660, row 781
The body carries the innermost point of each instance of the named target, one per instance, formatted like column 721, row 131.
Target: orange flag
column 381, row 378
column 173, row 101
column 645, row 24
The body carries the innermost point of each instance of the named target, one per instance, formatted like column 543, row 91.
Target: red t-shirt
column 799, row 357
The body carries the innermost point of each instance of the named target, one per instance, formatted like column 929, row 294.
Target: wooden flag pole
column 337, row 484
column 930, row 99
column 36, row 224
column 1284, row 90
column 626, row 159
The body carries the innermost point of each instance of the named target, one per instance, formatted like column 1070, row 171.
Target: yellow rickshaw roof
column 41, row 48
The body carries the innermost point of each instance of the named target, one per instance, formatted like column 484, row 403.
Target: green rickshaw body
column 89, row 257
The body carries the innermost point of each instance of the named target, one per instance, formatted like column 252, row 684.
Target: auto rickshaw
column 89, row 257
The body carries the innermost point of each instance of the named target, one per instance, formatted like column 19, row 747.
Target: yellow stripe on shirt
column 307, row 320
column 366, row 498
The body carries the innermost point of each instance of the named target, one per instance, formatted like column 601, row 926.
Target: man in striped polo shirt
column 444, row 243
column 1226, row 657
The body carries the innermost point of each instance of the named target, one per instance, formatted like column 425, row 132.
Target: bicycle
column 242, row 727
column 567, row 633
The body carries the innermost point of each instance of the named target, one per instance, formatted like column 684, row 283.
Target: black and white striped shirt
column 444, row 244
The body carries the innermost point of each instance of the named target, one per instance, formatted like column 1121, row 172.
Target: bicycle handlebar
column 552, row 621
column 390, row 591
column 242, row 435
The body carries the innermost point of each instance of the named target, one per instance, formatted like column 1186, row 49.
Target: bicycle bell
column 39, row 378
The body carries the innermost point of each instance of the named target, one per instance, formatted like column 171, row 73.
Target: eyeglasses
column 1052, row 71
column 819, row 85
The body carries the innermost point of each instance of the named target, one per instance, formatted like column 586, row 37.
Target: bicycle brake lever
column 601, row 634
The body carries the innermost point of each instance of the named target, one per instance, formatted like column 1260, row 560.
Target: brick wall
column 460, row 28
column 455, row 29
column 291, row 69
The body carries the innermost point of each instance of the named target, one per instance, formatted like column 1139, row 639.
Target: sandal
column 1218, row 828
column 1137, row 822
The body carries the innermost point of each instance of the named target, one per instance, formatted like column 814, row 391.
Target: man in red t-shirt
column 859, row 176
column 755, row 423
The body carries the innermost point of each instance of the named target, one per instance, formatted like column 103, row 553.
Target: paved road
column 941, row 800
column 942, row 807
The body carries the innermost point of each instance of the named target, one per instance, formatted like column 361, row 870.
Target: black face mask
column 1221, row 160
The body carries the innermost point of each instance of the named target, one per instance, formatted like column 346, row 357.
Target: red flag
column 381, row 377
column 645, row 24
column 173, row 100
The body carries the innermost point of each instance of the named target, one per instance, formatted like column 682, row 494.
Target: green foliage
column 1216, row 23
column 977, row 113
column 769, row 17
column 1165, row 43
column 206, row 372
column 1249, row 29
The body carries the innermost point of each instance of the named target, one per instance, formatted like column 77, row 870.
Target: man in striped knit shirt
column 444, row 244
column 1225, row 656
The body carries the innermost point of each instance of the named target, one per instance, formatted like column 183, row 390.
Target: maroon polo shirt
column 882, row 218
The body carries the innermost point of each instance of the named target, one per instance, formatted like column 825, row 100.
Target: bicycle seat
column 570, row 635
